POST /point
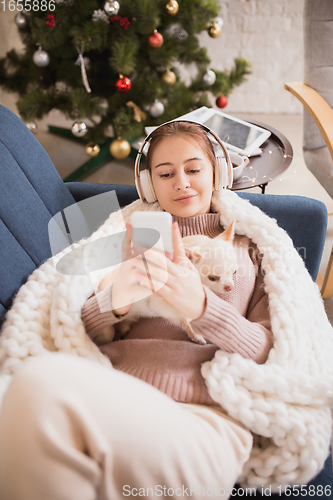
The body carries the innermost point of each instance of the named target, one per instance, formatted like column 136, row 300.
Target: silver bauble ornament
column 32, row 126
column 177, row 32
column 156, row 109
column 79, row 129
column 218, row 20
column 41, row 58
column 209, row 77
column 21, row 20
column 111, row 8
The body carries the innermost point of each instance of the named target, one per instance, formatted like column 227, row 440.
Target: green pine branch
column 124, row 55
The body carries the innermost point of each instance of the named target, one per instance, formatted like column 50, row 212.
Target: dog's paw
column 198, row 339
column 123, row 328
column 105, row 336
column 190, row 332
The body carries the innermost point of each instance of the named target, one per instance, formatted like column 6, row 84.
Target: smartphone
column 152, row 230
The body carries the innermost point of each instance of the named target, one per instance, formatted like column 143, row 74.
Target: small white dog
column 216, row 261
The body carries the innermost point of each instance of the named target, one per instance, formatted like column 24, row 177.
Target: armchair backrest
column 304, row 219
column 31, row 192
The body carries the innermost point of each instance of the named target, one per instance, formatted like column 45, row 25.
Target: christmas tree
column 114, row 67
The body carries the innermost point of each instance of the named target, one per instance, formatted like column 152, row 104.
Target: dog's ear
column 229, row 233
column 193, row 254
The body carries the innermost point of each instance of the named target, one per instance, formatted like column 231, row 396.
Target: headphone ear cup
column 147, row 186
column 223, row 176
column 217, row 175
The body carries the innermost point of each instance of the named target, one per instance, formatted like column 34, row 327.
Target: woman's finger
column 127, row 251
column 156, row 271
column 158, row 259
column 180, row 256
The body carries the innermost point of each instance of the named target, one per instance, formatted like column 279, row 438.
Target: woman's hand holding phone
column 184, row 290
column 132, row 282
column 127, row 286
column 177, row 281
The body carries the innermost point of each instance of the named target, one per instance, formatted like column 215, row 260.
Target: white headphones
column 223, row 169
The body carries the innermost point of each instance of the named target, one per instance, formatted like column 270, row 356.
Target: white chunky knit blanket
column 285, row 402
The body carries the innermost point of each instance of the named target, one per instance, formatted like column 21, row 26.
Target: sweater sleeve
column 97, row 313
column 225, row 327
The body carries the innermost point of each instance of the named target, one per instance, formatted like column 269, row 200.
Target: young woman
column 149, row 427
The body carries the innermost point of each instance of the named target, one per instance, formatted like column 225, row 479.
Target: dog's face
column 215, row 259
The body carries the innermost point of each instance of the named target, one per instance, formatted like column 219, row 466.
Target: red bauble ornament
column 221, row 101
column 123, row 84
column 155, row 40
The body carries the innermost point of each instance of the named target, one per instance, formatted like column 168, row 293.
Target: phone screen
column 152, row 230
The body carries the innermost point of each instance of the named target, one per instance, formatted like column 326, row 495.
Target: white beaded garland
column 100, row 15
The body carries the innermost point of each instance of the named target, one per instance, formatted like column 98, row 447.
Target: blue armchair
column 32, row 193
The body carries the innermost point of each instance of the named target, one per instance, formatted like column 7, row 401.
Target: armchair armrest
column 322, row 115
column 318, row 109
column 307, row 227
column 82, row 190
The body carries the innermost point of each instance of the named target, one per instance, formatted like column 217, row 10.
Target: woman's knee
column 28, row 383
column 37, row 380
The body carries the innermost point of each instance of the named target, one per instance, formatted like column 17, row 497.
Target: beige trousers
column 71, row 429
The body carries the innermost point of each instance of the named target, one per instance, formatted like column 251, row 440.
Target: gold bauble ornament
column 169, row 77
column 92, row 149
column 172, row 7
column 120, row 148
column 215, row 30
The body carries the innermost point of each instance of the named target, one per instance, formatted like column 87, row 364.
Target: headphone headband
column 146, row 141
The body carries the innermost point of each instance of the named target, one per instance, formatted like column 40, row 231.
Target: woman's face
column 182, row 176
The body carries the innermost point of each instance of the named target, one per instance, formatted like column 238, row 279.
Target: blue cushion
column 304, row 219
column 82, row 190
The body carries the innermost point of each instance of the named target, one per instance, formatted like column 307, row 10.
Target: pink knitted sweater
column 159, row 352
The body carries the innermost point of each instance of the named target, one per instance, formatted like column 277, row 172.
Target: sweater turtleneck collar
column 207, row 224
